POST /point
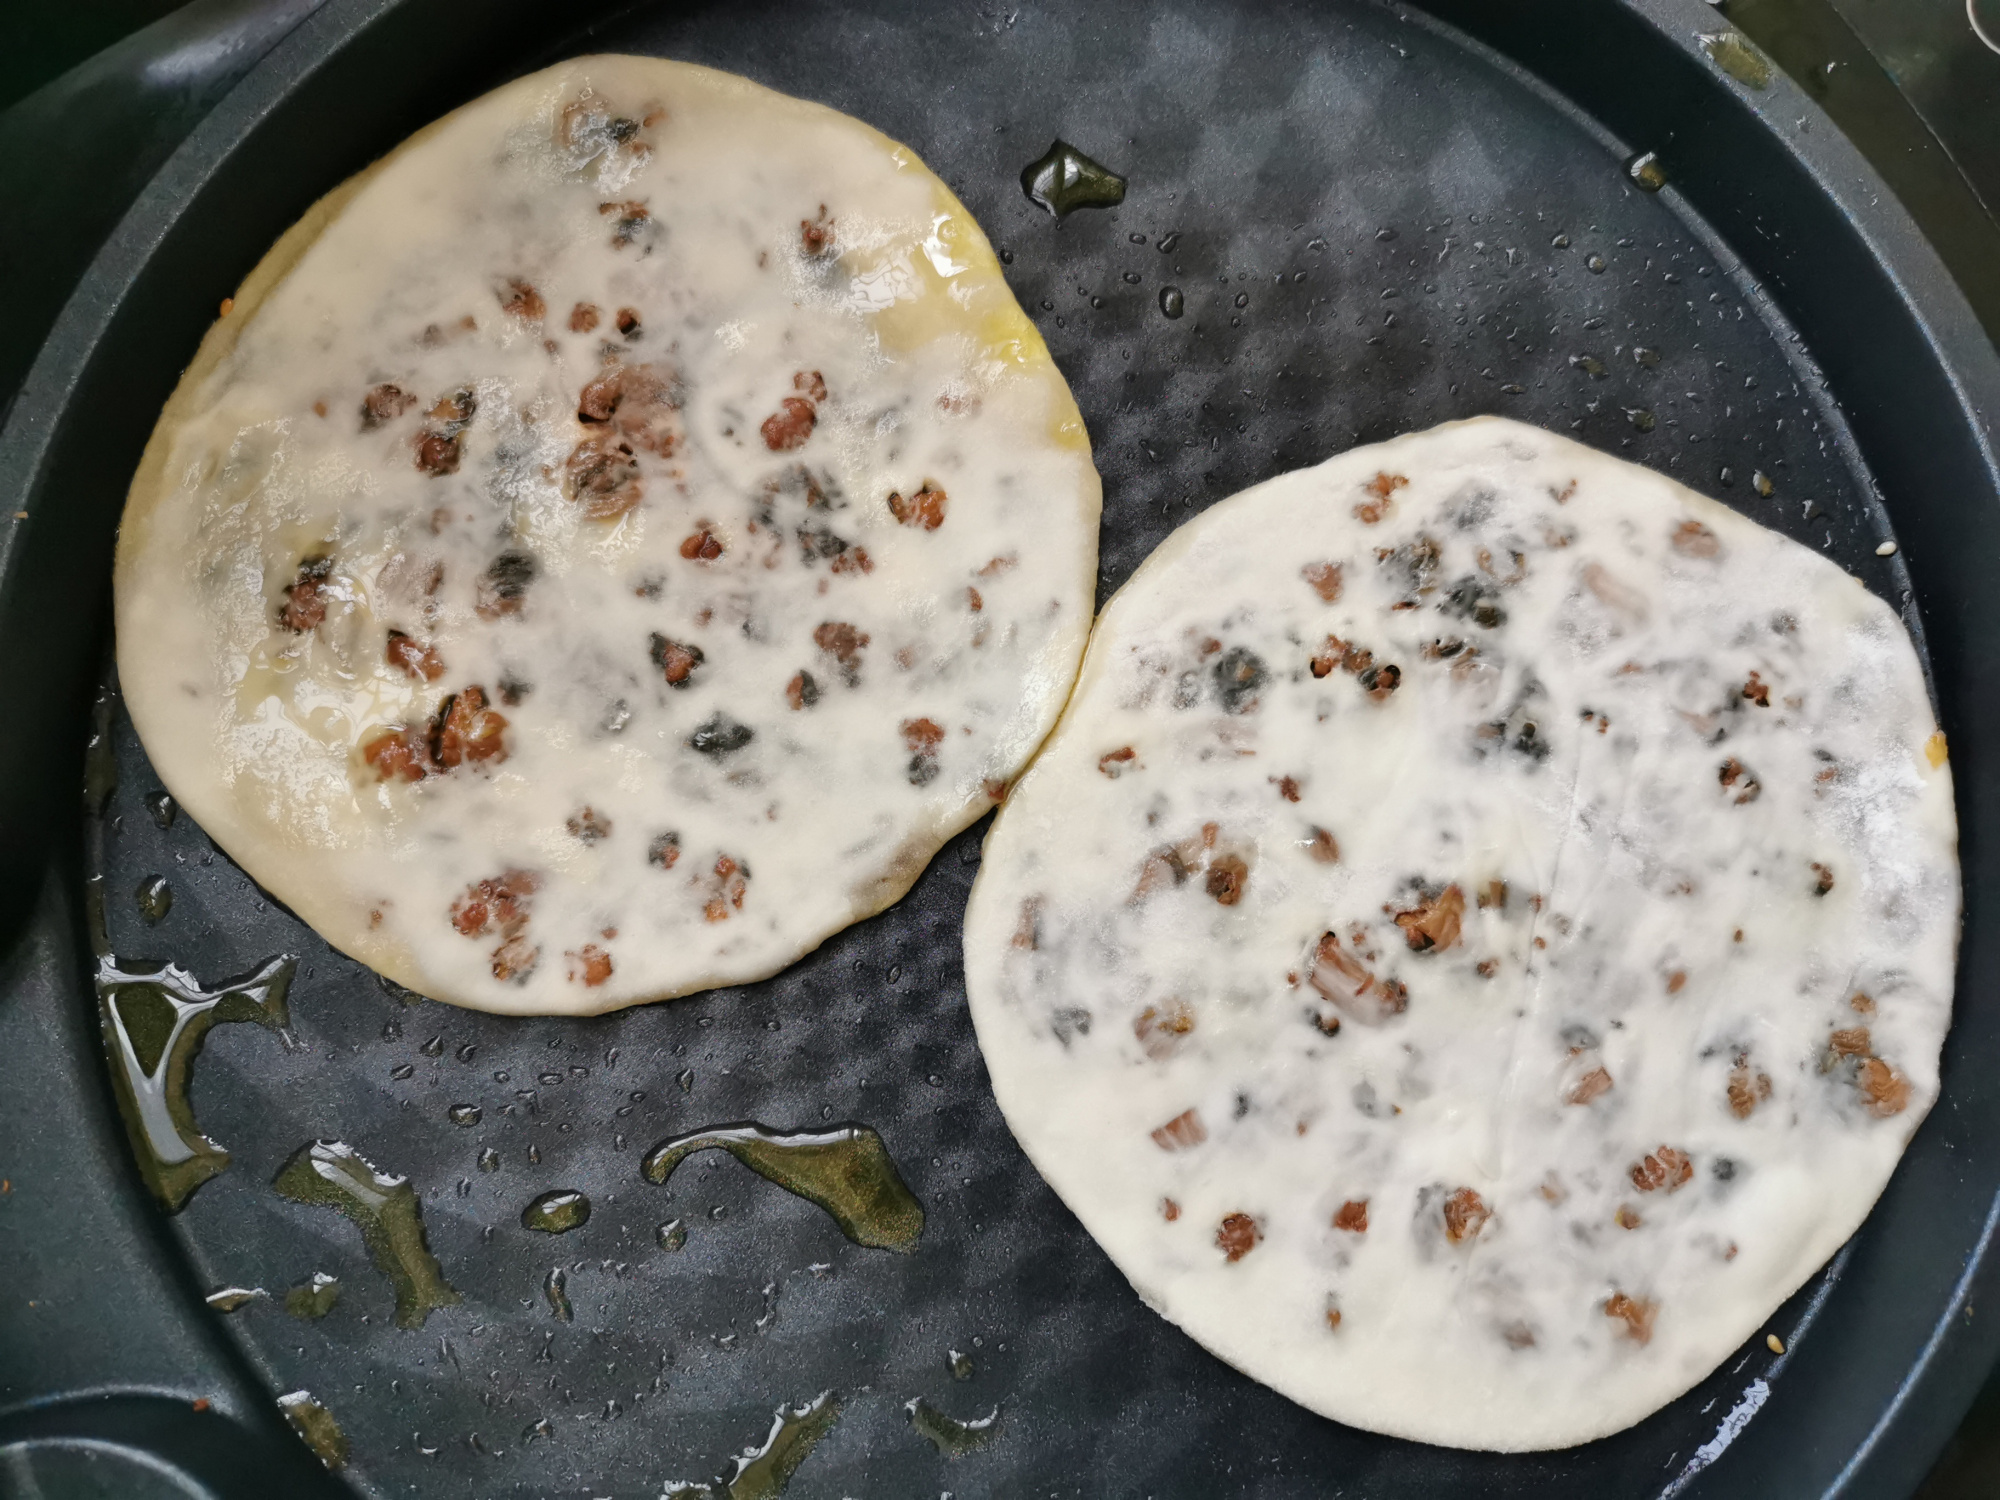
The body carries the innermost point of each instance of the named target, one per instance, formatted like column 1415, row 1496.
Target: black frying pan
column 1377, row 222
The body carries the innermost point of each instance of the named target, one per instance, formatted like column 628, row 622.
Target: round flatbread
column 1480, row 936
column 609, row 545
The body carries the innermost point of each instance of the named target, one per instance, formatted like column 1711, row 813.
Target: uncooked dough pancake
column 609, row 545
column 1480, row 936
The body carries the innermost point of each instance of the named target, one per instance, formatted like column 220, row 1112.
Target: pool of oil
column 1368, row 228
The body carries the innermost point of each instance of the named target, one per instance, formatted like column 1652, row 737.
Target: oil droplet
column 310, row 1301
column 1645, row 170
column 1170, row 243
column 1242, row 299
column 673, row 1235
column 1131, row 278
column 100, row 757
column 951, row 1437
column 535, row 1154
column 315, row 1424
column 1590, row 366
column 1650, row 358
column 1761, row 483
column 1727, row 478
column 1063, row 180
column 153, row 1018
column 402, row 1071
column 466, row 1114
column 489, row 1160
column 1731, row 51
column 332, row 1174
column 228, row 1299
column 1385, row 235
column 1560, row 242
column 1172, row 303
column 163, row 808
column 720, row 1211
column 1640, row 418
column 155, row 898
column 555, row 1287
column 557, row 1212
column 1594, row 263
column 846, row 1171
column 686, row 1080
column 468, row 1052
column 763, row 1472
column 433, row 1048
column 959, row 1363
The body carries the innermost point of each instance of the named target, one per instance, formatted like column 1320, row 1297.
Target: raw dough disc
column 1480, row 936
column 690, row 430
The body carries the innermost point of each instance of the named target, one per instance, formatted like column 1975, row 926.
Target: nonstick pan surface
column 1377, row 222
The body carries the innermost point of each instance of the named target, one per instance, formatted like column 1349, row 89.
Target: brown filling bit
column 802, row 691
column 503, row 587
column 1358, row 660
column 641, row 402
column 1288, row 787
column 420, row 662
column 1493, row 895
column 496, row 905
column 854, row 560
column 1381, row 489
column 1735, row 776
column 1664, row 1168
column 1115, row 763
column 1352, row 1216
column 664, row 851
column 812, row 383
column 1885, row 1091
column 589, row 825
column 602, row 475
column 1182, row 1132
column 1627, row 1217
column 790, row 425
column 583, row 317
column 1325, row 579
column 518, row 299
column 816, row 234
column 1850, row 1041
column 1465, row 1214
column 1434, row 924
column 703, row 545
column 1677, row 981
column 728, row 885
column 629, row 220
column 1169, row 1210
column 1692, row 539
column 1596, row 1081
column 439, row 446
column 627, row 321
column 1162, row 1029
column 1237, row 1236
column 1028, row 931
column 925, row 508
column 1380, row 682
column 383, row 404
column 922, row 736
column 1635, row 1313
column 1747, row 1089
column 464, row 731
column 844, row 644
column 1343, row 979
column 398, row 754
column 304, row 606
column 1323, row 847
column 515, row 959
column 1227, row 877
column 676, row 660
column 1757, row 691
column 1822, row 878
column 589, row 964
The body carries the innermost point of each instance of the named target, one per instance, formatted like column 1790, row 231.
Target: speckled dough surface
column 1480, row 936
column 610, row 544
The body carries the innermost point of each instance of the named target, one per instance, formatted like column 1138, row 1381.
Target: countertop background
column 93, row 97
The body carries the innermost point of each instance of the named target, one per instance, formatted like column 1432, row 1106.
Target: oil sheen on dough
column 609, row 545
column 1480, row 936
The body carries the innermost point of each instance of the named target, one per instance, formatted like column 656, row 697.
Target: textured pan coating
column 609, row 545
column 1480, row 936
